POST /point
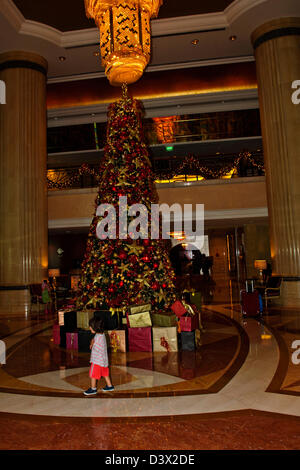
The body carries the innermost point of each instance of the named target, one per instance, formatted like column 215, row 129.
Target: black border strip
column 276, row 33
column 23, row 64
column 6, row 288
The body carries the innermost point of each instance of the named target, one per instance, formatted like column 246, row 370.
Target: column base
column 15, row 301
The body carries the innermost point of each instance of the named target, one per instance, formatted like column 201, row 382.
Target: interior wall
column 257, row 246
column 74, row 248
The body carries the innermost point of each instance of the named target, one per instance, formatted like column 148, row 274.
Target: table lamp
column 260, row 264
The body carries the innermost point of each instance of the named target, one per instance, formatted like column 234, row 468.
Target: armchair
column 271, row 290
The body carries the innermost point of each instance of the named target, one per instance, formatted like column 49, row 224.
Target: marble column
column 277, row 54
column 23, row 190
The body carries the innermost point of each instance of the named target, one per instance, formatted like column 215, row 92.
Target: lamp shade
column 260, row 264
column 54, row 272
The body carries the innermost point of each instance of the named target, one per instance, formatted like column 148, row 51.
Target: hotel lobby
column 221, row 113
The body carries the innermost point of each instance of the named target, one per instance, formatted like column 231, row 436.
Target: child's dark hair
column 97, row 324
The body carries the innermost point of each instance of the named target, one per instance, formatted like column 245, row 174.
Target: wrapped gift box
column 139, row 308
column 196, row 298
column 63, row 336
column 68, row 319
column 140, row 339
column 56, row 334
column 189, row 323
column 164, row 319
column 188, row 340
column 178, row 308
column 165, row 339
column 72, row 340
column 83, row 318
column 111, row 320
column 117, row 340
column 198, row 338
column 139, row 320
column 84, row 340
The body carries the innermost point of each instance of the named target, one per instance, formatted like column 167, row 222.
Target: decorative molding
column 239, row 8
column 160, row 27
column 158, row 68
column 185, row 104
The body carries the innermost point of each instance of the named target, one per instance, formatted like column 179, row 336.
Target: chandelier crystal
column 125, row 36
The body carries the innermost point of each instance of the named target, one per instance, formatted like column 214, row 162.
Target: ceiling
column 72, row 13
column 55, row 28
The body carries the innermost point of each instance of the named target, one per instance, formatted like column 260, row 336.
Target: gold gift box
column 83, row 318
column 140, row 308
column 140, row 320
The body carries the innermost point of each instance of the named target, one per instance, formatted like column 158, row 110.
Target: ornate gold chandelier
column 125, row 36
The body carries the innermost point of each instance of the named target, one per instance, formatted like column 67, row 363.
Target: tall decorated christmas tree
column 124, row 264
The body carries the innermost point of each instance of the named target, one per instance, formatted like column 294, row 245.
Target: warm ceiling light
column 125, row 36
column 195, row 42
column 96, row 53
column 62, row 58
column 232, row 38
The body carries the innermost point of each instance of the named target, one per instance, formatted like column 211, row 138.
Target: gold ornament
column 125, row 36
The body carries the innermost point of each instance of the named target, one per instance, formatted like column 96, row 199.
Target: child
column 46, row 299
column 99, row 358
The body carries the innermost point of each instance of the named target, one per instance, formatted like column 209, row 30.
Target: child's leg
column 93, row 383
column 108, row 381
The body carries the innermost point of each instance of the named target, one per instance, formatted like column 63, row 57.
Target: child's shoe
column 108, row 389
column 90, row 391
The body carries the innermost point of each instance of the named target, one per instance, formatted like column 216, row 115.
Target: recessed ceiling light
column 96, row 53
column 195, row 42
column 232, row 38
column 62, row 58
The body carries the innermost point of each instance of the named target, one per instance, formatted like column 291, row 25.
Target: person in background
column 99, row 358
column 46, row 299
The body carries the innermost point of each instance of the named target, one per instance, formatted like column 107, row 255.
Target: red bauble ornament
column 155, row 286
column 146, row 242
column 122, row 255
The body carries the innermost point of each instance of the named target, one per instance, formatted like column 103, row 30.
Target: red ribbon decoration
column 164, row 343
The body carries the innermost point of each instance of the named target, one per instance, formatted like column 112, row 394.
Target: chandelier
column 125, row 36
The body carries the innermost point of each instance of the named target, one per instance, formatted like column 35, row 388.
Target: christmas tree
column 119, row 270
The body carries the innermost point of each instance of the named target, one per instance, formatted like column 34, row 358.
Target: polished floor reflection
column 244, row 372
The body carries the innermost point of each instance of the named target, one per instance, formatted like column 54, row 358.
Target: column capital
column 289, row 26
column 23, row 59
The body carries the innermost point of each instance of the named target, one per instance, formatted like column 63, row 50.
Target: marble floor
column 239, row 390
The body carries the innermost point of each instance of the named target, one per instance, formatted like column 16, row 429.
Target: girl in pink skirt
column 99, row 358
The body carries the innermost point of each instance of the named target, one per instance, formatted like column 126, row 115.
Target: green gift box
column 83, row 318
column 164, row 319
column 196, row 299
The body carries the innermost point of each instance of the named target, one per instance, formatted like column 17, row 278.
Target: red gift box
column 140, row 339
column 188, row 323
column 178, row 308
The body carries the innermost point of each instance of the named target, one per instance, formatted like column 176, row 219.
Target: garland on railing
column 189, row 166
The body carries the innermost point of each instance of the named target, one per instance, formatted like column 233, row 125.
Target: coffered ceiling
column 71, row 14
column 59, row 28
